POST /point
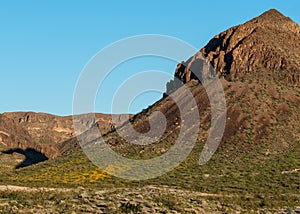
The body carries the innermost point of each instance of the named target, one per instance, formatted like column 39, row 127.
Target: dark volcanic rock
column 268, row 44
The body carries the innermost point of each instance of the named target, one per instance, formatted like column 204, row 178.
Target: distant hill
column 45, row 133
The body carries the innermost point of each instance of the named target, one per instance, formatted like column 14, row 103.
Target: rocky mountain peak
column 274, row 19
column 266, row 45
column 272, row 14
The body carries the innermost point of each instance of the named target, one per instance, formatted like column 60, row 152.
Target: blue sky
column 44, row 45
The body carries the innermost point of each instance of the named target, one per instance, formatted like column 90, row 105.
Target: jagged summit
column 266, row 45
column 274, row 19
column 272, row 13
column 273, row 16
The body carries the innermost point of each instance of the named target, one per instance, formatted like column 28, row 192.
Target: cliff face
column 14, row 136
column 266, row 45
column 44, row 128
column 43, row 132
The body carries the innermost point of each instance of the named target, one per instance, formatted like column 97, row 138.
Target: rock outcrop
column 266, row 45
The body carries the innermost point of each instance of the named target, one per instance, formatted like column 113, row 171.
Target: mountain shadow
column 31, row 156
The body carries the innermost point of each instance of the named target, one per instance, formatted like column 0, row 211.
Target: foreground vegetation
column 235, row 180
